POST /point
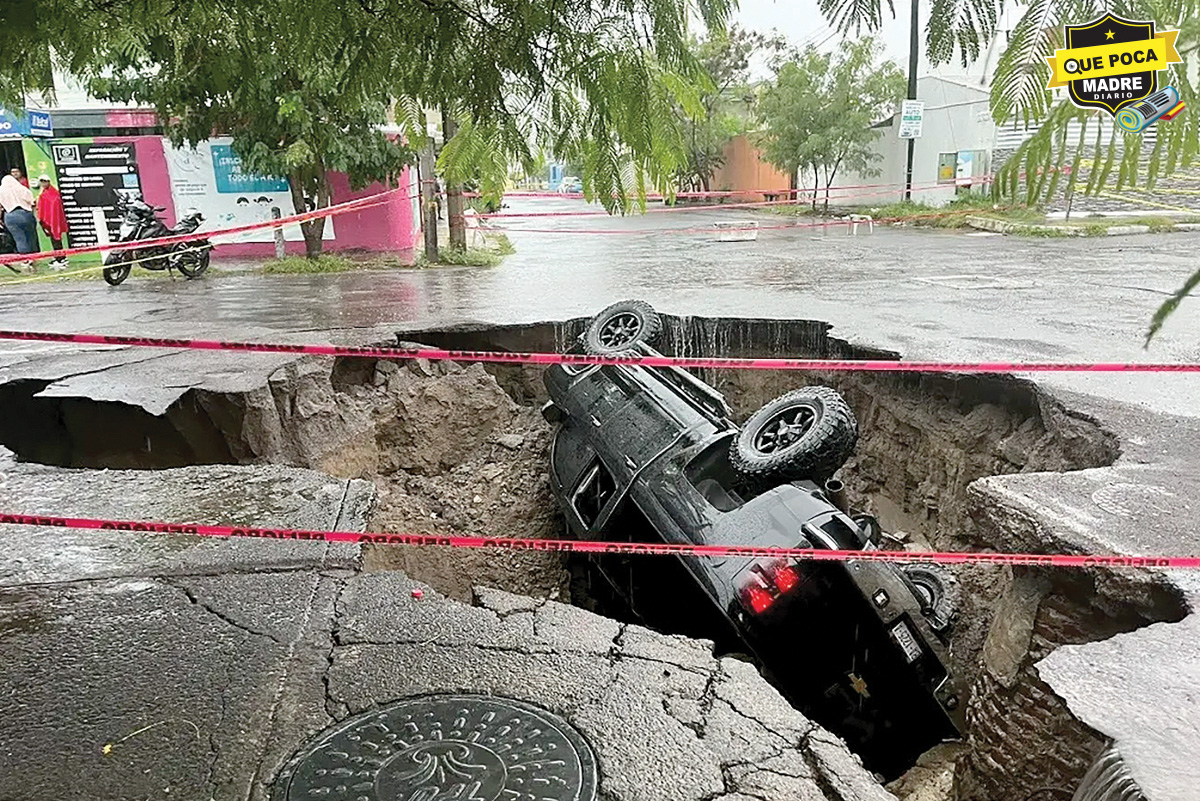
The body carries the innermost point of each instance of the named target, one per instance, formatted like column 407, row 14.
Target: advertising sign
column 210, row 180
column 89, row 175
column 912, row 115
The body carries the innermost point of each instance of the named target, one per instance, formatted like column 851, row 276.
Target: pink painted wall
column 387, row 228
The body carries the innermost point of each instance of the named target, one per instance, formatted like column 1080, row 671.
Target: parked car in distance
column 653, row 455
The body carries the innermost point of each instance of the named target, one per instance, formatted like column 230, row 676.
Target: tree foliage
column 725, row 57
column 819, row 110
column 293, row 118
column 302, row 86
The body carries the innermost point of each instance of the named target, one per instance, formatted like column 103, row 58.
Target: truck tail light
column 767, row 583
column 758, row 599
column 784, row 576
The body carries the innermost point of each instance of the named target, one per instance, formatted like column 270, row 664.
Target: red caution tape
column 975, row 180
column 439, row 354
column 587, row 546
column 834, row 197
column 329, row 211
column 822, row 223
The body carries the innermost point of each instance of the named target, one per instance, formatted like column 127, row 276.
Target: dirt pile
column 456, row 455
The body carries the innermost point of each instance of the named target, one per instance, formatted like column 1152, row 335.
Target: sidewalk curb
column 1005, row 227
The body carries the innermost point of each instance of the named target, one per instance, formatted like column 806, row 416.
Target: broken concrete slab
column 264, row 496
column 1139, row 689
column 137, row 688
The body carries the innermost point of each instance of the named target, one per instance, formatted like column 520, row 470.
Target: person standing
column 16, row 201
column 15, row 172
column 52, row 216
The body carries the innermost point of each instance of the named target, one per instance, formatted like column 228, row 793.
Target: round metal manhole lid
column 444, row 748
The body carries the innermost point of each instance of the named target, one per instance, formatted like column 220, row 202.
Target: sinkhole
column 463, row 448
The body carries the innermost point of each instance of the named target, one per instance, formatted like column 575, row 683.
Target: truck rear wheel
column 807, row 433
column 617, row 330
column 937, row 589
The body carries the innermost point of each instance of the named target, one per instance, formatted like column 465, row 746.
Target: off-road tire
column 646, row 327
column 937, row 590
column 816, row 453
column 119, row 269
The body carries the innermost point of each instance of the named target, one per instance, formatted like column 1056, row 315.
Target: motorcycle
column 140, row 221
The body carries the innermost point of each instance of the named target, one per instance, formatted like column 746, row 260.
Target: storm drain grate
column 444, row 748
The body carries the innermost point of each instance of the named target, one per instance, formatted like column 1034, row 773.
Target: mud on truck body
column 652, row 454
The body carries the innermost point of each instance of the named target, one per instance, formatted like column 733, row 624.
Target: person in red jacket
column 51, row 215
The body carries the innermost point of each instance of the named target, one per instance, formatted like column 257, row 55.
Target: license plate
column 907, row 641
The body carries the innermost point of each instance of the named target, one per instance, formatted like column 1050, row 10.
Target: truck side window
column 593, row 493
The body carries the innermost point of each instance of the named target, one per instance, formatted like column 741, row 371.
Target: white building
column 954, row 149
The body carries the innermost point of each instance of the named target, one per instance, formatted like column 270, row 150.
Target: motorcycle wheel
column 118, row 271
column 192, row 262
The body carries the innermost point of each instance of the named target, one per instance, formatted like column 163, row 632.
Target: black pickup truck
column 651, row 454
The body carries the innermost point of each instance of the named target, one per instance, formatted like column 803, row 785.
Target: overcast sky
column 801, row 22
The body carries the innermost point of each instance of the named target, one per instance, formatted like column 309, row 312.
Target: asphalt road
column 926, row 294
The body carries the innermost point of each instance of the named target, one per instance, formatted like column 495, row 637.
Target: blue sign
column 40, row 123
column 227, row 170
column 31, row 123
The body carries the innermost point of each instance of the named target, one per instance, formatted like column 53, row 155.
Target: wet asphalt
column 928, row 294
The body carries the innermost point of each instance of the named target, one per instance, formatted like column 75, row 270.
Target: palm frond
column 960, row 25
column 1019, row 84
column 1170, row 305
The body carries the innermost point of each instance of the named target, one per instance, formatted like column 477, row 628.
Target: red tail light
column 785, row 576
column 757, row 598
column 767, row 583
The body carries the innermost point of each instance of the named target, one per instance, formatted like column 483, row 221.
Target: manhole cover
column 445, row 748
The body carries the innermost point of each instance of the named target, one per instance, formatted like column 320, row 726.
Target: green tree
column 295, row 122
column 819, row 110
column 961, row 28
column 725, row 56
column 593, row 81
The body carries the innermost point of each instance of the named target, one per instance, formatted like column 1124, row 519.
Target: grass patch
column 462, row 257
column 1048, row 231
column 498, row 246
column 793, row 210
column 1156, row 225
column 1096, row 229
column 86, row 272
column 325, row 263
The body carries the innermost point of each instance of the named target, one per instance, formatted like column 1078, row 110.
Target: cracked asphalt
column 153, row 667
column 138, row 667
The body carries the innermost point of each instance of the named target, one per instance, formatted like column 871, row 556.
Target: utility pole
column 913, row 44
column 429, row 217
